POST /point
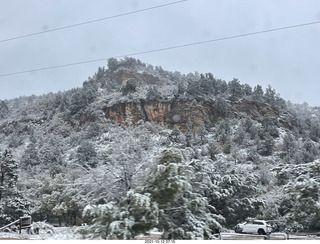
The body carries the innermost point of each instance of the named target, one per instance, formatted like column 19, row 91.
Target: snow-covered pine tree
column 184, row 212
column 8, row 174
column 12, row 204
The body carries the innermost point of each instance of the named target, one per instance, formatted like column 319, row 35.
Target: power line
column 90, row 21
column 219, row 39
column 163, row 49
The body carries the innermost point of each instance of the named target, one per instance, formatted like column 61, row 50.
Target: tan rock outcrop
column 178, row 112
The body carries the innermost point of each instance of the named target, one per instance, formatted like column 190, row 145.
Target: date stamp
column 159, row 241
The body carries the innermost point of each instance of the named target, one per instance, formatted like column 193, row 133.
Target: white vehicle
column 260, row 227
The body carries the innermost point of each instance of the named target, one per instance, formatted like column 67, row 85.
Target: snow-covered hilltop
column 138, row 148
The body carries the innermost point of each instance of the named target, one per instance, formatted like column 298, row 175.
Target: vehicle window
column 257, row 223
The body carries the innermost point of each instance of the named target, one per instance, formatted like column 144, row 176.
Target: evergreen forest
column 138, row 147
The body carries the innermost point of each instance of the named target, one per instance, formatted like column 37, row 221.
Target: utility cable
column 90, row 22
column 163, row 49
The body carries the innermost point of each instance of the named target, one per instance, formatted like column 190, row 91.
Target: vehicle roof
column 257, row 220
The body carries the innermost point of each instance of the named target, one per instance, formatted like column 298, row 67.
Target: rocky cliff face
column 162, row 99
column 157, row 112
column 177, row 112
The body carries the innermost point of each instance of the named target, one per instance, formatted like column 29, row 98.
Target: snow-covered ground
column 60, row 233
column 64, row 233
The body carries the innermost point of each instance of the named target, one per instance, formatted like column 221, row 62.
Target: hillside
column 138, row 147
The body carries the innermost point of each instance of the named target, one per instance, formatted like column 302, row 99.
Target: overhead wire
column 90, row 21
column 164, row 48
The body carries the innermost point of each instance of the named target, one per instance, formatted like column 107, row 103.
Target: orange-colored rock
column 169, row 113
column 178, row 112
column 157, row 112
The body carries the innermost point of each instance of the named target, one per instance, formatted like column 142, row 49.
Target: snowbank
column 60, row 233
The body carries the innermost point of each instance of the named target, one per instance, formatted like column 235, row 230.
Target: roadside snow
column 60, row 233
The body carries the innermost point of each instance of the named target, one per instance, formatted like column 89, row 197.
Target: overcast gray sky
column 288, row 60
